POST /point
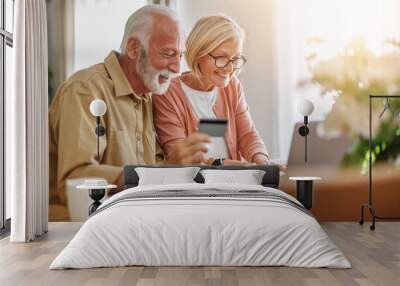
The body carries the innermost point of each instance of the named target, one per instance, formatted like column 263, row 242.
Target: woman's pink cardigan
column 174, row 120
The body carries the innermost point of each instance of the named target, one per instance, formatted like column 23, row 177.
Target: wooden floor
column 375, row 257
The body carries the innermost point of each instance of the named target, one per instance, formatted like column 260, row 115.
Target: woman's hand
column 190, row 151
column 282, row 166
column 261, row 159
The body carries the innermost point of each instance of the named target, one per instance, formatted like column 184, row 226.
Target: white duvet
column 200, row 231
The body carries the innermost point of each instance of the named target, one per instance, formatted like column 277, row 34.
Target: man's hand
column 189, row 151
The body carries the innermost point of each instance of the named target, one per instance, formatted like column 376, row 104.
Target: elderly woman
column 211, row 90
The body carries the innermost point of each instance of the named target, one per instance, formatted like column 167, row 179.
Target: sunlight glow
column 331, row 25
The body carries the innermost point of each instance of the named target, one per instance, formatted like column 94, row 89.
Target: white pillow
column 248, row 177
column 165, row 176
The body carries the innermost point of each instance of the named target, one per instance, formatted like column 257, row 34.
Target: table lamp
column 305, row 108
column 98, row 108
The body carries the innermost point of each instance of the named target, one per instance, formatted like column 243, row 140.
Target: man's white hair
column 140, row 23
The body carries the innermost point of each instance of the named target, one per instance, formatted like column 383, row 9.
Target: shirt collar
column 121, row 83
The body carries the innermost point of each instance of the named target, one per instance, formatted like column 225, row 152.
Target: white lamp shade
column 98, row 107
column 306, row 107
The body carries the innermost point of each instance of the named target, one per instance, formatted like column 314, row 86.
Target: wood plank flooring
column 375, row 257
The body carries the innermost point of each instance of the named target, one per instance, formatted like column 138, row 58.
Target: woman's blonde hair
column 207, row 34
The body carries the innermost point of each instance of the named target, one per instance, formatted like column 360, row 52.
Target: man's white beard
column 151, row 76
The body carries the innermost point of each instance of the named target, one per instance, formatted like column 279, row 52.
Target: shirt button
column 138, row 137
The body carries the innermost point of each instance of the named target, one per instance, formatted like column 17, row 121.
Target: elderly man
column 150, row 56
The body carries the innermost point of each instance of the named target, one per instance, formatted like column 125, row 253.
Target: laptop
column 322, row 152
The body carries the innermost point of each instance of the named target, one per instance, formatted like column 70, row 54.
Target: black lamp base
column 305, row 193
column 96, row 195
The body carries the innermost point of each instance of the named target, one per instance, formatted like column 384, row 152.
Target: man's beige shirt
column 130, row 137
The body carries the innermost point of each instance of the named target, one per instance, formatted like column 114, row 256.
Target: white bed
column 250, row 225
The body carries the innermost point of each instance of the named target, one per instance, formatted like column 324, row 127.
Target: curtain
column 60, row 31
column 27, row 124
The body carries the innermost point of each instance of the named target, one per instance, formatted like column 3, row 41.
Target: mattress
column 201, row 225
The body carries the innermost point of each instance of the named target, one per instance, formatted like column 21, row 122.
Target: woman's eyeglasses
column 222, row 62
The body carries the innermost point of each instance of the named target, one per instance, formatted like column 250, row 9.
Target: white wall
column 98, row 28
column 258, row 77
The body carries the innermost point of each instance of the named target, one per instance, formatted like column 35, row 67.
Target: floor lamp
column 370, row 205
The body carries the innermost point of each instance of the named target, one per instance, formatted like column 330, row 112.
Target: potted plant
column 354, row 74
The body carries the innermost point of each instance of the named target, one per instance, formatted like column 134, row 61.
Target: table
column 304, row 187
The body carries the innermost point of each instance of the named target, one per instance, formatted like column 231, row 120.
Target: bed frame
column 270, row 179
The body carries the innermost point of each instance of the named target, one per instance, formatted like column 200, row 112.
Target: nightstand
column 304, row 187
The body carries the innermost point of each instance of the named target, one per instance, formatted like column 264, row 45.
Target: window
column 324, row 28
column 6, row 44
